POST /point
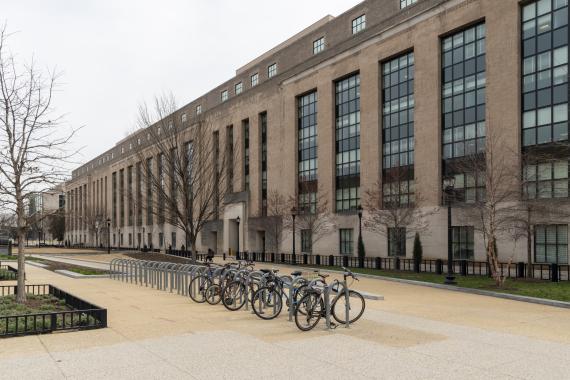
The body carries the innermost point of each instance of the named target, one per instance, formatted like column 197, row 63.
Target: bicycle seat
column 296, row 273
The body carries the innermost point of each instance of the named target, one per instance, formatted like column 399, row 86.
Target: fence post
column 253, row 256
column 360, row 263
column 304, row 258
column 53, row 322
column 282, row 257
column 238, row 256
column 439, row 266
column 331, row 261
column 318, row 260
column 464, row 267
column 272, row 257
column 554, row 272
column 520, row 270
column 345, row 261
column 378, row 263
column 397, row 263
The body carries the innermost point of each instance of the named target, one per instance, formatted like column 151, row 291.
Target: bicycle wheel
column 214, row 294
column 197, row 288
column 234, row 296
column 356, row 307
column 309, row 311
column 267, row 303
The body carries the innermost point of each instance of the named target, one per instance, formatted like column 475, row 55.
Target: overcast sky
column 114, row 54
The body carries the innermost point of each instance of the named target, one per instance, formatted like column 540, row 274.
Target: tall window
column 347, row 114
column 463, row 238
column 307, row 151
column 263, row 125
column 254, row 79
column 397, row 241
column 358, row 24
column 346, row 241
column 198, row 109
column 407, row 3
column 245, row 134
column 551, row 244
column 463, row 106
column 319, row 45
column 545, row 72
column 122, row 197
column 160, row 162
column 224, row 95
column 139, row 193
column 306, row 241
column 216, row 174
column 149, row 205
column 114, row 198
column 130, row 202
column 230, row 157
column 272, row 70
column 546, row 180
column 398, row 130
column 238, row 88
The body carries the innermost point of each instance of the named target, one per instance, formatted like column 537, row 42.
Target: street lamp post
column 448, row 189
column 108, row 236
column 237, row 221
column 293, row 215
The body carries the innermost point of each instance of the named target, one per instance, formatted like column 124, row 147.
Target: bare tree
column 394, row 209
column 313, row 213
column 183, row 168
column 491, row 198
column 537, row 205
column 275, row 222
column 33, row 148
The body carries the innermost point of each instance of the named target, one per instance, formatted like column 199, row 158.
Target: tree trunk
column 21, row 293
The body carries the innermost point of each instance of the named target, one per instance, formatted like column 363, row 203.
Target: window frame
column 346, row 246
column 359, row 24
column 319, row 45
column 272, row 70
column 254, row 79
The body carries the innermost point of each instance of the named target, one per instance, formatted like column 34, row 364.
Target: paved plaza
column 416, row 332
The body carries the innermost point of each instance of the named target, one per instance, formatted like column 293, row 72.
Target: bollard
column 361, row 262
column 345, row 261
column 397, row 263
column 554, row 272
column 10, row 248
column 224, row 256
column 318, row 260
column 282, row 257
column 439, row 266
column 305, row 258
column 331, row 261
column 273, row 257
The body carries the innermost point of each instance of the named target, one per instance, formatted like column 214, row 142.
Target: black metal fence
column 550, row 272
column 84, row 316
column 7, row 273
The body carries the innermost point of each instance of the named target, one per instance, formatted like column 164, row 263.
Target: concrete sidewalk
column 415, row 333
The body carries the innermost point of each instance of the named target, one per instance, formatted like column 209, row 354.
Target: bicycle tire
column 269, row 299
column 197, row 289
column 234, row 296
column 355, row 299
column 214, row 294
column 314, row 309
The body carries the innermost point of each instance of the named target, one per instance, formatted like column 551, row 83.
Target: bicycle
column 311, row 308
column 267, row 302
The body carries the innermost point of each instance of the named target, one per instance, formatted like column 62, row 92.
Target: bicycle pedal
column 333, row 325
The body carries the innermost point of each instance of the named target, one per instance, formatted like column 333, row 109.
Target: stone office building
column 412, row 84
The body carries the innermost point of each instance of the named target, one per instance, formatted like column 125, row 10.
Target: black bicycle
column 311, row 308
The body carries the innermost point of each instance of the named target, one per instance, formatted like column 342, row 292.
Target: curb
column 79, row 275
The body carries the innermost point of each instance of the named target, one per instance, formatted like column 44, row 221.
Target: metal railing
column 84, row 316
column 547, row 272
